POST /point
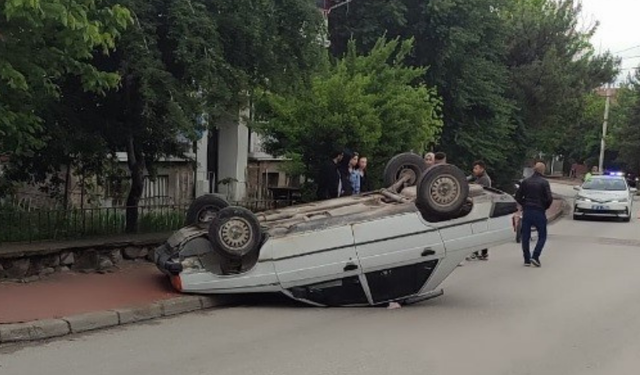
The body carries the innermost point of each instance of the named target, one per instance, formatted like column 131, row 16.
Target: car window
column 607, row 184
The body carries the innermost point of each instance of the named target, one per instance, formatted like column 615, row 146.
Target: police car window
column 616, row 185
column 593, row 184
column 608, row 184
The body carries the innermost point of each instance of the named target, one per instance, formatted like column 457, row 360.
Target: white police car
column 604, row 196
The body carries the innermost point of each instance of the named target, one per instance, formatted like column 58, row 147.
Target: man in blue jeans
column 534, row 195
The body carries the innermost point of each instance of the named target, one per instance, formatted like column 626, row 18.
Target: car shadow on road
column 599, row 219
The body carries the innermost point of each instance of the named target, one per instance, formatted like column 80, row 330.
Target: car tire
column 442, row 192
column 235, row 232
column 204, row 208
column 626, row 219
column 404, row 164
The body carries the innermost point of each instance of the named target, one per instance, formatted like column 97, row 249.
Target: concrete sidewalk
column 64, row 294
column 70, row 302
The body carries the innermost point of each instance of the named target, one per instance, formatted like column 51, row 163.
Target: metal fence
column 21, row 225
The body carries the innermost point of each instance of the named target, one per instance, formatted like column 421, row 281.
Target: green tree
column 582, row 136
column 42, row 41
column 463, row 42
column 372, row 103
column 184, row 65
column 553, row 68
column 625, row 135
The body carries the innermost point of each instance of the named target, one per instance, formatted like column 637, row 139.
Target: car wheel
column 204, row 209
column 235, row 232
column 626, row 219
column 408, row 165
column 442, row 192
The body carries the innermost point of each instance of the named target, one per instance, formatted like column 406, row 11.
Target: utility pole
column 605, row 124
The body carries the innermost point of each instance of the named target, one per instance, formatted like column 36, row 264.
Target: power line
column 628, row 49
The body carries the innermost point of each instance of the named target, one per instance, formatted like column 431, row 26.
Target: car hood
column 603, row 196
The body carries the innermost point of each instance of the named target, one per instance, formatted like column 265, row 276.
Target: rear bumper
column 165, row 260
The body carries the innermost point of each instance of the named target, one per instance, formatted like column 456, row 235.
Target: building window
column 271, row 178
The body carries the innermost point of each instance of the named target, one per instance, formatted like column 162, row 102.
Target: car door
column 398, row 254
column 320, row 267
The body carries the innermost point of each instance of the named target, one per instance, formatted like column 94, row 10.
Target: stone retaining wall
column 85, row 259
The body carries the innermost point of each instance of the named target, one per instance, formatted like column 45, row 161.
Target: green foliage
column 42, row 41
column 582, row 137
column 372, row 103
column 553, row 69
column 184, row 66
column 625, row 135
column 512, row 74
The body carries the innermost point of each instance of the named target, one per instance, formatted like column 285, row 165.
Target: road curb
column 52, row 328
column 559, row 213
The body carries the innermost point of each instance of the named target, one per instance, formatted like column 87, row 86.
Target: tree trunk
column 67, row 187
column 135, row 159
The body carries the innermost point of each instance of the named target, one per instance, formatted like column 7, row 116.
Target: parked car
column 395, row 244
column 604, row 196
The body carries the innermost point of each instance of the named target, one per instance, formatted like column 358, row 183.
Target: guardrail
column 29, row 225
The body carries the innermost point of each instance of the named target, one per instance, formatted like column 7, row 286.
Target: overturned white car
column 395, row 244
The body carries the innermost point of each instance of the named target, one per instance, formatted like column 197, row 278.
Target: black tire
column 204, row 208
column 404, row 164
column 442, row 192
column 235, row 232
column 626, row 219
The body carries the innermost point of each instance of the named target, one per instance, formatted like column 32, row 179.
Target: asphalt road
column 579, row 314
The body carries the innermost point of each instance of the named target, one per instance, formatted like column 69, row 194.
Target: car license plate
column 599, row 208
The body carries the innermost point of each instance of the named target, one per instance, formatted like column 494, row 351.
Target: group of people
column 345, row 174
column 534, row 197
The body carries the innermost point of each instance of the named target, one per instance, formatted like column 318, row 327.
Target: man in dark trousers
column 534, row 195
column 329, row 178
column 481, row 178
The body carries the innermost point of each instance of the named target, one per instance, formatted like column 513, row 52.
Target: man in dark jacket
column 329, row 178
column 481, row 178
column 534, row 195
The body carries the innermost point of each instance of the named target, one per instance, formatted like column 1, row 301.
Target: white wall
column 233, row 156
column 202, row 181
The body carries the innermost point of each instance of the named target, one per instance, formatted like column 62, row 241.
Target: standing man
column 430, row 159
column 534, row 195
column 481, row 178
column 594, row 171
column 440, row 158
column 330, row 178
